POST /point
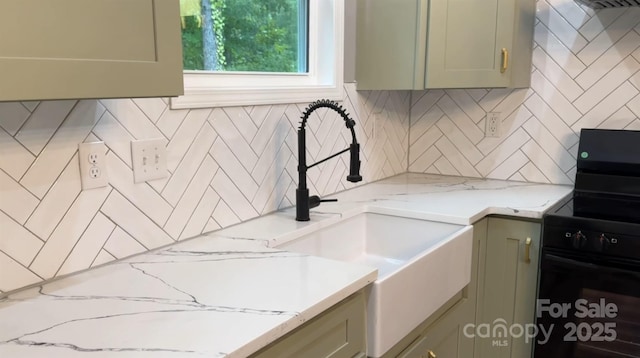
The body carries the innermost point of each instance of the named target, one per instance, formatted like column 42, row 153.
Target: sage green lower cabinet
column 339, row 332
column 507, row 287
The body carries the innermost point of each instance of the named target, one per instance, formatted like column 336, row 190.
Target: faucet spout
column 303, row 203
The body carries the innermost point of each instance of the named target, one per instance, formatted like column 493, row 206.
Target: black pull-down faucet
column 303, row 201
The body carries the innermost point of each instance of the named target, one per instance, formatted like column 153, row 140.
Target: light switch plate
column 93, row 168
column 149, row 157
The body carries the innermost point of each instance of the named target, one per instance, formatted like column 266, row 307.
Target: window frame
column 324, row 78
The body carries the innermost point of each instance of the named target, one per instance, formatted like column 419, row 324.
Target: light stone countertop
column 230, row 293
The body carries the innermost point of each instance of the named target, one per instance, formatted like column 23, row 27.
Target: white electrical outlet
column 492, row 124
column 93, row 169
column 149, row 157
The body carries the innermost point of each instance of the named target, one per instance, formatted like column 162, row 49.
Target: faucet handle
column 354, row 164
column 315, row 200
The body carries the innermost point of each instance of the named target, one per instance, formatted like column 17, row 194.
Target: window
column 261, row 52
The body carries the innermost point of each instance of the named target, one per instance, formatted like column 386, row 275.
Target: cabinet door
column 337, row 333
column 390, row 44
column 466, row 39
column 507, row 290
column 439, row 342
column 89, row 49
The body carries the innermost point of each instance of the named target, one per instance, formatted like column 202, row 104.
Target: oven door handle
column 588, row 266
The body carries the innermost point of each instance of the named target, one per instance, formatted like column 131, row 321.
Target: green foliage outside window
column 247, row 35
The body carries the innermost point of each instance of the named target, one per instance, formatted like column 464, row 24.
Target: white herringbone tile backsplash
column 232, row 164
column 584, row 75
column 226, row 165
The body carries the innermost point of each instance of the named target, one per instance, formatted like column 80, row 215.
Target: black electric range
column 589, row 282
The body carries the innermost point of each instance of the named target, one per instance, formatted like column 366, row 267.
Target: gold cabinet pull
column 527, row 250
column 505, row 60
column 432, row 355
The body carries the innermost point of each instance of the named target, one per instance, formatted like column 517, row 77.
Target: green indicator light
column 584, row 155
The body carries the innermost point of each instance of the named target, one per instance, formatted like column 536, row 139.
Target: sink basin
column 421, row 265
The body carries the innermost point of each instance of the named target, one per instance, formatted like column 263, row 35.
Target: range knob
column 578, row 240
column 603, row 243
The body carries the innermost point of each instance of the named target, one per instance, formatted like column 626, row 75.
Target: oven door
column 588, row 307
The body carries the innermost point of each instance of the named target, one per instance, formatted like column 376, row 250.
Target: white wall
column 226, row 165
column 585, row 75
column 232, row 164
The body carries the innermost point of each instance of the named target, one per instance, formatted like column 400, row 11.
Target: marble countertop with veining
column 231, row 292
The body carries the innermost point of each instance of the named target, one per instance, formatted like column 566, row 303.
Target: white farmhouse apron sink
column 421, row 265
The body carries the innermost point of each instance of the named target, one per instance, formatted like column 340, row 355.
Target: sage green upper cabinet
column 61, row 49
column 418, row 44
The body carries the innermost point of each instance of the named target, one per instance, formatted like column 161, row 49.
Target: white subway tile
column 12, row 116
column 230, row 134
column 151, row 107
column 502, row 152
column 231, row 165
column 550, row 119
column 89, row 245
column 16, row 201
column 541, row 135
column 19, row 275
column 132, row 118
column 171, row 120
column 596, row 24
column 189, row 165
column 550, row 95
column 469, row 105
column 555, row 74
column 607, row 107
column 68, row 232
column 192, row 196
column 119, row 210
column 115, row 137
column 102, row 258
column 201, row 221
column 459, row 162
column 233, row 197
column 43, row 123
column 458, row 138
column 14, row 158
column 460, row 119
column 120, row 244
column 57, row 202
column 17, row 242
column 559, row 26
column 274, row 125
column 224, row 216
column 608, row 60
column 445, row 167
column 509, row 167
column 558, row 51
column 182, row 140
column 532, row 174
column 57, row 153
column 618, row 120
column 544, row 163
column 139, row 194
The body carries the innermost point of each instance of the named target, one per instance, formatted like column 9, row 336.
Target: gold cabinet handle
column 527, row 250
column 505, row 60
column 432, row 355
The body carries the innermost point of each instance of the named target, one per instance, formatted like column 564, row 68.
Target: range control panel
column 598, row 241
